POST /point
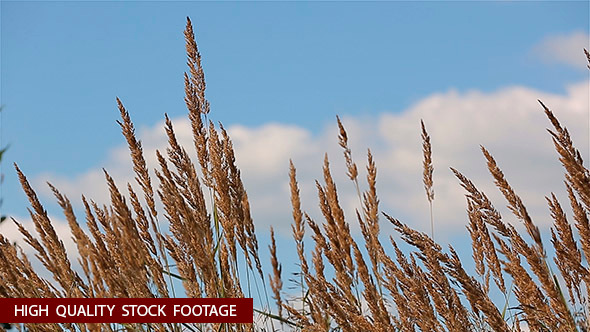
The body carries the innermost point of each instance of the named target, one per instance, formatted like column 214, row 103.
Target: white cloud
column 566, row 48
column 509, row 122
column 264, row 150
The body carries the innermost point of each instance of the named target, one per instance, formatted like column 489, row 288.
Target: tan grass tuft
column 428, row 169
column 276, row 283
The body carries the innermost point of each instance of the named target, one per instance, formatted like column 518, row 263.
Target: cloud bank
column 508, row 122
column 566, row 49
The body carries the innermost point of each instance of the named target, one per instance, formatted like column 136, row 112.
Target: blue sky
column 63, row 63
column 277, row 74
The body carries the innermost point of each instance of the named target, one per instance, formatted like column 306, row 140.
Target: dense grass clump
column 345, row 283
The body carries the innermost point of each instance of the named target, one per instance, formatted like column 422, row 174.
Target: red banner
column 103, row 310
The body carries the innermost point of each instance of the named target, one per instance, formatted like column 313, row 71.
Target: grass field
column 343, row 284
